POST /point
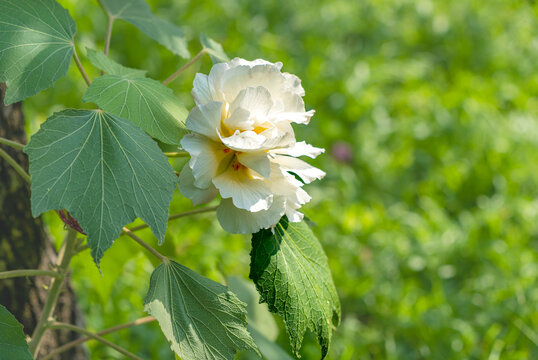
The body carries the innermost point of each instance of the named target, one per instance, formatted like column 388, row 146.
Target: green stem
column 74, row 343
column 108, row 33
column 80, row 67
column 179, row 215
column 177, row 154
column 145, row 245
column 184, row 67
column 60, row 325
column 11, row 143
column 15, row 165
column 27, row 272
column 64, row 258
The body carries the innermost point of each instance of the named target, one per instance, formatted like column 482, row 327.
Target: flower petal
column 201, row 90
column 205, row 119
column 305, row 171
column 284, row 184
column 206, row 156
column 240, row 77
column 293, row 84
column 246, row 192
column 257, row 161
column 294, row 215
column 257, row 100
column 240, row 221
column 300, row 149
column 190, row 191
column 247, row 141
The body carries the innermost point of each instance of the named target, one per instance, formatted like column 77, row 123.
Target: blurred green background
column 429, row 210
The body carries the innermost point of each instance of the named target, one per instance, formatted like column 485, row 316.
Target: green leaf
column 261, row 323
column 104, row 170
column 214, row 49
column 13, row 343
column 138, row 13
column 103, row 62
column 292, row 275
column 36, row 45
column 201, row 318
column 146, row 102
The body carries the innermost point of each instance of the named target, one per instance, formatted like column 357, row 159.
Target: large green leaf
column 104, row 170
column 146, row 102
column 13, row 343
column 36, row 45
column 103, row 62
column 201, row 318
column 214, row 49
column 138, row 13
column 292, row 275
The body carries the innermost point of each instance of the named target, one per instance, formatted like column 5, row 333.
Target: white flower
column 242, row 145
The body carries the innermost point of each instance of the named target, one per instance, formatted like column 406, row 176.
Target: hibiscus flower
column 243, row 147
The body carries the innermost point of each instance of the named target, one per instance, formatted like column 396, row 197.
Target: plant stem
column 74, row 343
column 27, row 272
column 80, row 68
column 145, row 245
column 108, row 33
column 179, row 215
column 60, row 325
column 184, row 67
column 15, row 165
column 177, row 154
column 11, row 143
column 64, row 258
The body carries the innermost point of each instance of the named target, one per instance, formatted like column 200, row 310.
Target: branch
column 74, row 343
column 184, row 67
column 27, row 272
column 80, row 67
column 180, row 215
column 11, row 143
column 15, row 166
column 64, row 258
column 145, row 245
column 60, row 325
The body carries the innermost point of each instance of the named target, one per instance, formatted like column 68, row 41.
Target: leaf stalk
column 184, row 67
column 15, row 166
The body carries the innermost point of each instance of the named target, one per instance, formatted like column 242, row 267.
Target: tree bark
column 25, row 245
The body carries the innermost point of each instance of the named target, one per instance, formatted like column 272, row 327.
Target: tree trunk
column 25, row 245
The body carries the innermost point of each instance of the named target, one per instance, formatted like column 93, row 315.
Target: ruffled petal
column 257, row 101
column 293, row 84
column 257, row 161
column 240, row 221
column 240, row 77
column 201, row 91
column 294, row 215
column 248, row 141
column 206, row 156
column 190, row 191
column 243, row 141
column 205, row 119
column 300, row 149
column 247, row 193
column 305, row 171
column 286, row 185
